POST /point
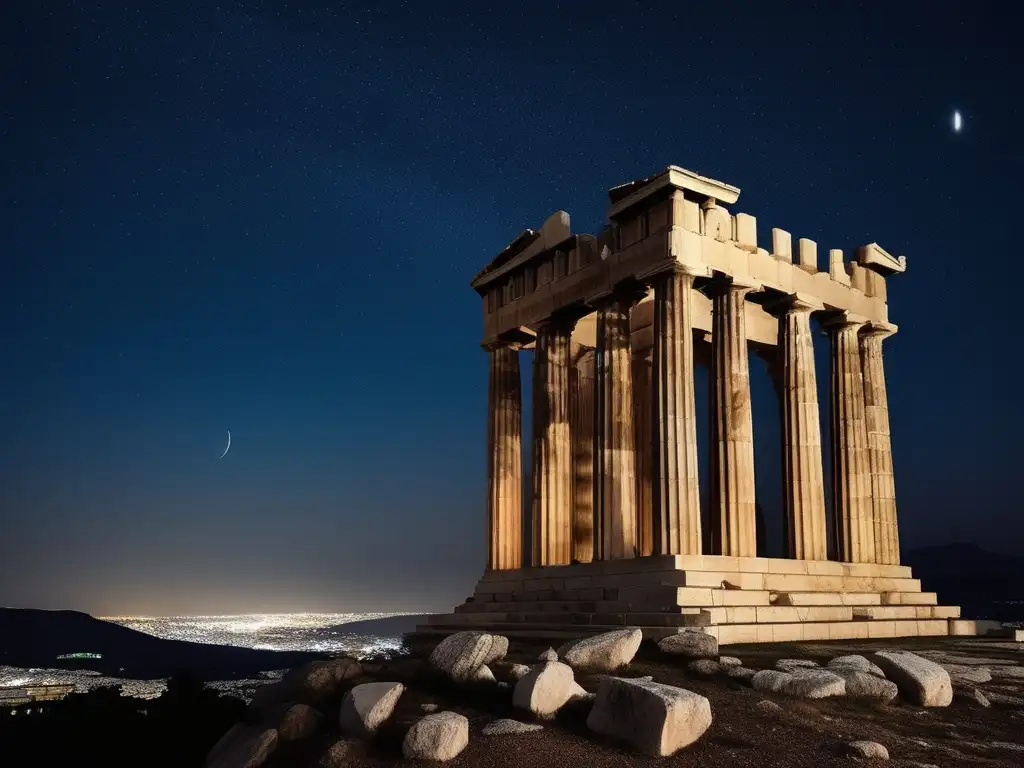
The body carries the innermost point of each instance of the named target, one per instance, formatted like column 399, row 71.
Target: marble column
column 614, row 459
column 803, row 476
column 644, row 452
column 851, row 479
column 552, row 447
column 876, row 412
column 505, row 469
column 675, row 485
column 582, row 429
column 733, row 531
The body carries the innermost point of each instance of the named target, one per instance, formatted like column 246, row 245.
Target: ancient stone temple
column 617, row 323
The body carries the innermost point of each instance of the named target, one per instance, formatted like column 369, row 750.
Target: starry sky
column 263, row 217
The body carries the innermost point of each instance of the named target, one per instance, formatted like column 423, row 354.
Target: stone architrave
column 733, row 526
column 582, row 429
column 505, row 469
column 804, row 482
column 851, row 479
column 876, row 413
column 642, row 426
column 552, row 446
column 614, row 447
column 675, row 485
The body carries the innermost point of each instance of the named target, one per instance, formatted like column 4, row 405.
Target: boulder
column 864, row 685
column 804, row 684
column 854, row 661
column 338, row 755
column 519, row 671
column 545, row 690
column 441, row 736
column 965, row 673
column 606, row 652
column 244, row 746
column 299, row 721
column 429, row 707
column 704, row 667
column 789, row 665
column 548, row 655
column 366, row 707
column 975, row 696
column 695, row 645
column 739, row 673
column 729, row 661
column 314, row 683
column 506, row 727
column 870, row 750
column 482, row 674
column 768, row 708
column 920, row 681
column 461, row 654
column 578, row 693
column 652, row 718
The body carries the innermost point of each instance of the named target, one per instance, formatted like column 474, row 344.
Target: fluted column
column 582, row 429
column 505, row 449
column 552, row 447
column 851, row 479
column 876, row 412
column 675, row 485
column 644, row 453
column 803, row 476
column 733, row 529
column 614, row 459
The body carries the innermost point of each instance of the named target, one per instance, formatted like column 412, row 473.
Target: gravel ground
column 805, row 733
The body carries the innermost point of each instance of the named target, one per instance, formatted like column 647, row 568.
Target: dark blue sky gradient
column 263, row 217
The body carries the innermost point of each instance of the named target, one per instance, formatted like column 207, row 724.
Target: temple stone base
column 736, row 599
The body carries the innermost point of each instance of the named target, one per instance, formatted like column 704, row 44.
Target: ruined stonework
column 617, row 323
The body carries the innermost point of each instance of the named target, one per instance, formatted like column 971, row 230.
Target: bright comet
column 958, row 121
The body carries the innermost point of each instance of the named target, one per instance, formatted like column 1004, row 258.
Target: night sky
column 263, row 217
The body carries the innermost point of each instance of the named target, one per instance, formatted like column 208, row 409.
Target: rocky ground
column 982, row 726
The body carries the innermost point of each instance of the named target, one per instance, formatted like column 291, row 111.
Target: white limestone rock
column 299, row 721
column 974, row 695
column 729, row 661
column 548, row 655
column 506, row 727
column 855, row 661
column 864, row 685
column 365, row 708
column 804, row 683
column 695, row 645
column 545, row 689
column 244, row 746
column 519, row 671
column 462, row 654
column 482, row 674
column 869, row 750
column 739, row 673
column 704, row 667
column 441, row 736
column 920, row 681
column 606, row 652
column 789, row 665
column 338, row 755
column 653, row 718
column 966, row 673
column 768, row 708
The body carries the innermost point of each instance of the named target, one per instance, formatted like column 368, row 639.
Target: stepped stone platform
column 736, row 599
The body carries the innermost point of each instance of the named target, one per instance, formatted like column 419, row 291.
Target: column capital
column 879, row 330
column 844, row 319
column 673, row 267
column 630, row 291
column 794, row 302
column 723, row 283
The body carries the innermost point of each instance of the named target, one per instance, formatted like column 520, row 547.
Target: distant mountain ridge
column 35, row 638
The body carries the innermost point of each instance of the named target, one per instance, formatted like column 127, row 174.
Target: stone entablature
column 676, row 217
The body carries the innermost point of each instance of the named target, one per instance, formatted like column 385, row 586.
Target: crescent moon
column 229, row 446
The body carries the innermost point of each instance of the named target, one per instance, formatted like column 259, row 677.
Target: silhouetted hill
column 34, row 638
column 985, row 584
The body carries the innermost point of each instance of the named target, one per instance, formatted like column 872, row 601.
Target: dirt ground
column 805, row 733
